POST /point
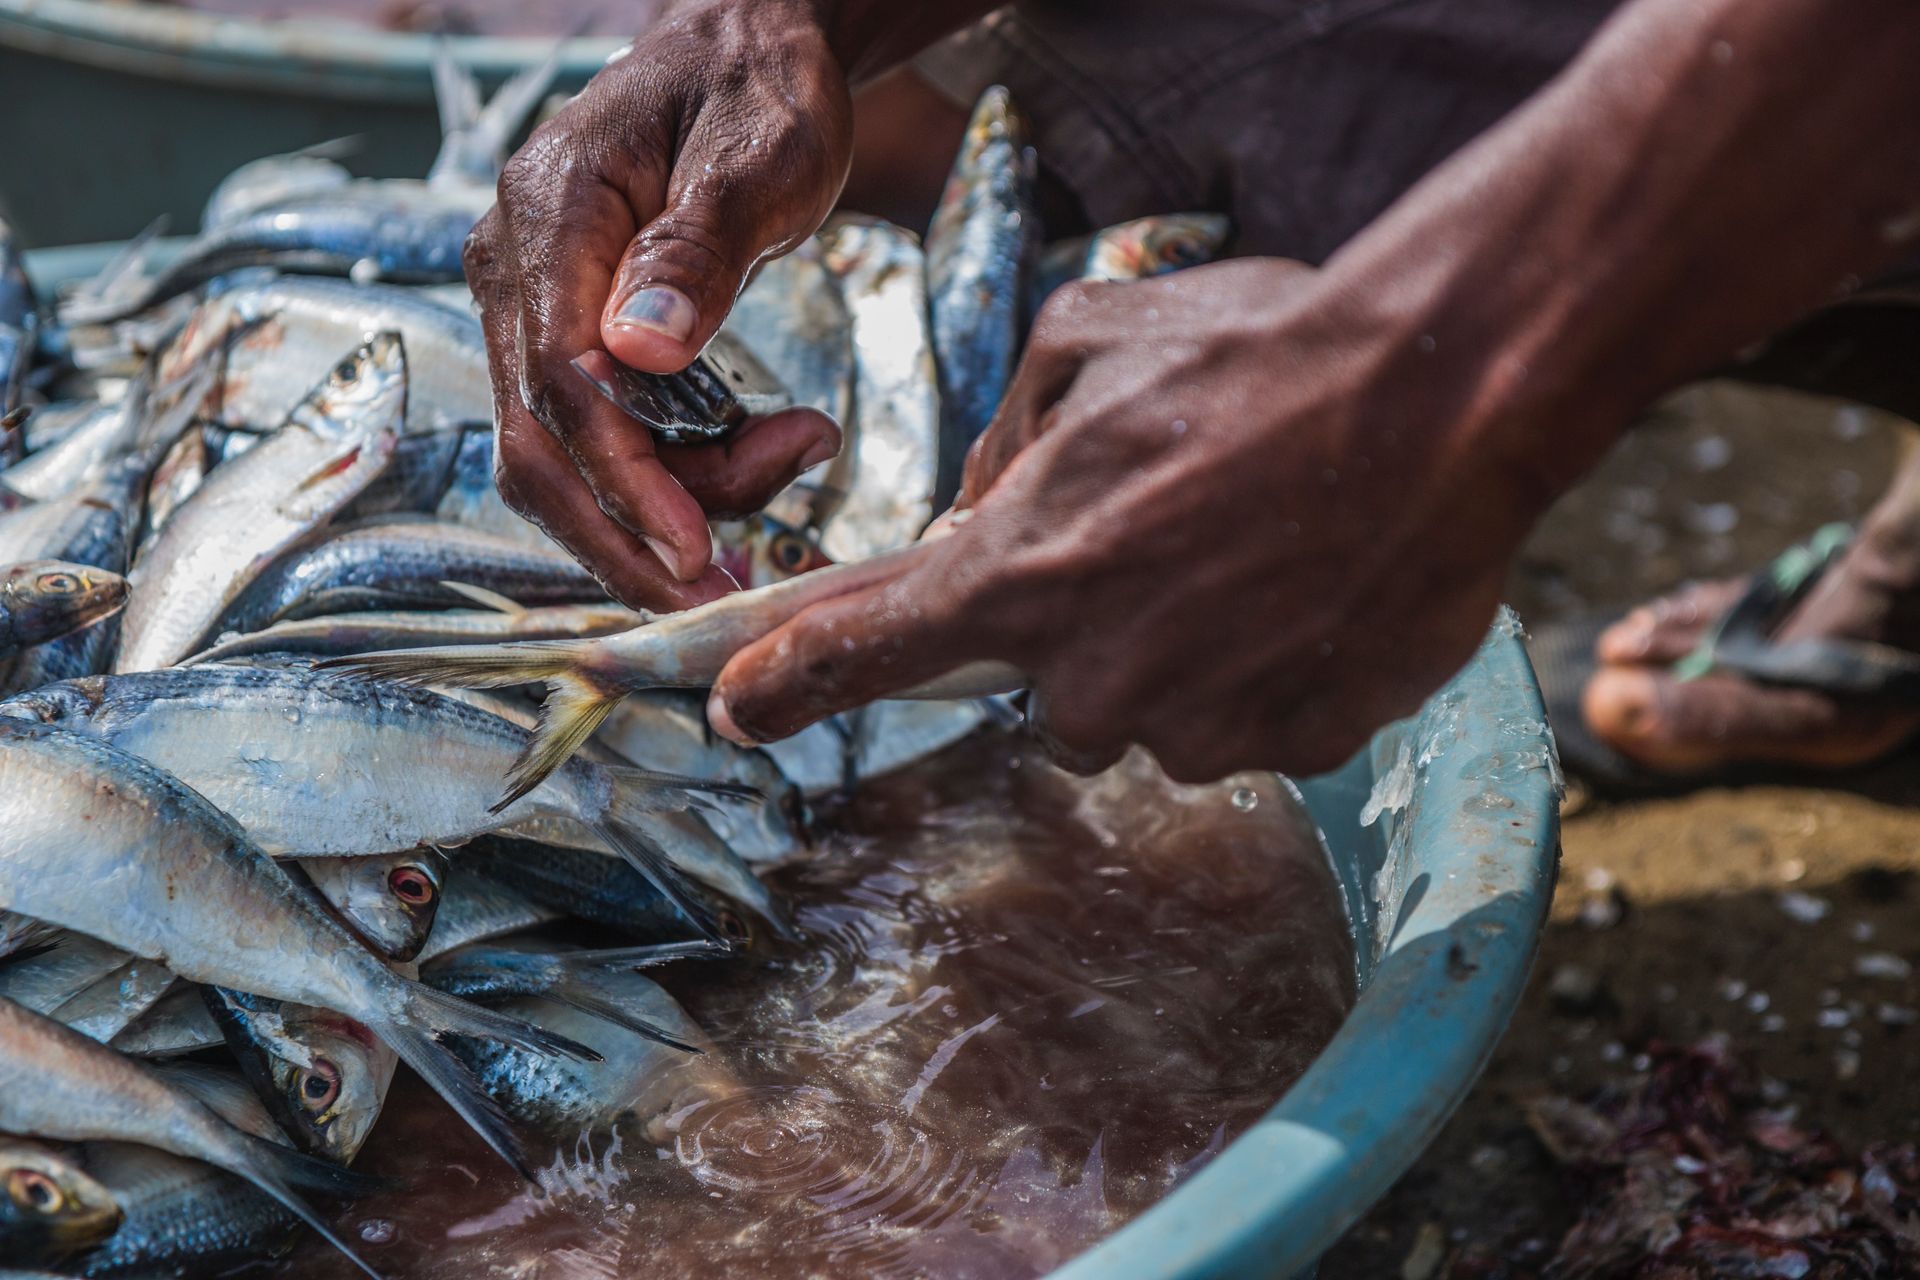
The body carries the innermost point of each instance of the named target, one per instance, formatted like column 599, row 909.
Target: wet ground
column 1786, row 917
column 1028, row 1006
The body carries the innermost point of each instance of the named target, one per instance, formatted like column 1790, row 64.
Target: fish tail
column 687, row 844
column 576, row 704
column 644, row 854
column 432, row 1014
column 572, row 985
column 279, row 1170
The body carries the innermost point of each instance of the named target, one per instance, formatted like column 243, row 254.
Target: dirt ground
column 1786, row 917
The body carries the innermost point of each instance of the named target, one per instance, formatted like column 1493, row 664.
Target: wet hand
column 630, row 221
column 1225, row 515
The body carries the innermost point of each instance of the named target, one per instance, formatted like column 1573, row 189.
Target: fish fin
column 451, row 1015
column 416, row 1039
column 484, row 598
column 645, row 855
column 277, row 1170
column 513, row 102
column 595, row 1005
column 455, row 91
column 575, row 706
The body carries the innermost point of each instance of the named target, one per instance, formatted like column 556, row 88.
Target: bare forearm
column 1702, row 174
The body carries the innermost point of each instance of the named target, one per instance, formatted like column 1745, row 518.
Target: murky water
column 453, row 17
column 1029, row 1005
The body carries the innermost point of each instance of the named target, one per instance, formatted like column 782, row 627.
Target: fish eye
column 737, row 930
column 318, row 1086
column 412, row 886
column 58, row 584
column 789, row 551
column 345, row 371
column 31, row 1189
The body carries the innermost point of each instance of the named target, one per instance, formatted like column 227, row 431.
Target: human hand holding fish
column 629, row 223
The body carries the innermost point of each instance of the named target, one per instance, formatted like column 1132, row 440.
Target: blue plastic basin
column 108, row 100
column 1447, row 889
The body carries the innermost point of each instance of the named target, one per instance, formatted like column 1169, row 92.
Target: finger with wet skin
column 567, row 226
column 532, row 461
column 846, row 652
column 741, row 473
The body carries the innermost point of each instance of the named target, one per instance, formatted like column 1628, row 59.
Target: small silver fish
column 50, row 1209
column 724, row 386
column 252, row 509
column 46, row 599
column 979, row 254
column 56, row 1083
column 323, row 1076
column 888, row 472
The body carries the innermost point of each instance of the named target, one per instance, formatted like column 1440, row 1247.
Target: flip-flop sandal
column 1742, row 644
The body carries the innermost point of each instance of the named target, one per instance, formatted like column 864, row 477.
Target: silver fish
column 891, row 473
column 349, row 633
column 566, row 977
column 1136, row 250
column 19, row 319
column 393, row 232
column 56, row 1083
column 291, row 331
column 268, row 181
column 50, row 1209
column 183, row 1217
column 399, row 563
column 313, row 764
column 250, row 510
column 477, row 907
column 724, row 386
column 573, row 882
column 177, row 1024
column 43, row 600
column 324, row 1077
column 639, row 1078
column 979, row 254
column 93, row 526
column 390, row 900
column 99, row 841
column 586, row 679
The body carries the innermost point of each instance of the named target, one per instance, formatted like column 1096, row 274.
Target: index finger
column 569, row 222
column 846, row 651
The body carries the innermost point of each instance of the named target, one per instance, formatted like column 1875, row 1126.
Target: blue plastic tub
column 1444, row 833
column 104, row 100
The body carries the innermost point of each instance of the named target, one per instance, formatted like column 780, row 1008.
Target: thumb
column 681, row 273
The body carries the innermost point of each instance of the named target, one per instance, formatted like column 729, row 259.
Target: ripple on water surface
column 1027, row 1005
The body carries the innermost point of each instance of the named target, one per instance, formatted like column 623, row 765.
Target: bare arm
column 1250, row 530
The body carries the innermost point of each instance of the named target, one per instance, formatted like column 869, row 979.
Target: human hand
column 1225, row 515
column 630, row 221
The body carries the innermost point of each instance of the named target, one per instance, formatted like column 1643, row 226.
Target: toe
column 1667, row 629
column 1691, row 727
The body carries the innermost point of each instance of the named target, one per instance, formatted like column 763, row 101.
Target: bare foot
column 1690, row 727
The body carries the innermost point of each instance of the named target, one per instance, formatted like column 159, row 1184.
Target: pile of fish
column 258, row 844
